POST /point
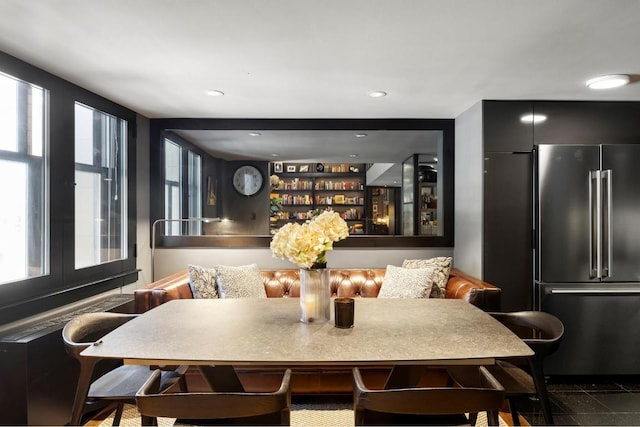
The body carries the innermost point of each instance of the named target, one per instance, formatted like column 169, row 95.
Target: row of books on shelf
column 307, row 199
column 339, row 185
column 297, row 184
column 349, row 214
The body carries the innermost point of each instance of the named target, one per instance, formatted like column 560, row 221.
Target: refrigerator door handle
column 634, row 291
column 607, row 176
column 595, row 225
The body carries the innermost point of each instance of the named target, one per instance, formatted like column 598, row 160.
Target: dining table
column 218, row 334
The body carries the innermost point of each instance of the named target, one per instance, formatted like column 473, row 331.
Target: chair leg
column 148, row 421
column 493, row 418
column 358, row 415
column 514, row 412
column 182, row 384
column 473, row 418
column 285, row 417
column 541, row 388
column 118, row 415
column 82, row 389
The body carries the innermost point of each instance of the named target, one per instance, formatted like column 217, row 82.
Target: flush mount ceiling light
column 254, row 134
column 213, row 92
column 608, row 81
column 377, row 94
column 533, row 118
column 361, row 135
column 353, row 155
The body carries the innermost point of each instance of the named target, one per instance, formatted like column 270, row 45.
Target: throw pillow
column 202, row 282
column 441, row 265
column 401, row 282
column 240, row 282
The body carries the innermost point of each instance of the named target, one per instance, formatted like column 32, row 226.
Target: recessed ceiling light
column 353, row 155
column 377, row 94
column 361, row 135
column 254, row 134
column 533, row 118
column 214, row 92
column 608, row 81
column 275, row 155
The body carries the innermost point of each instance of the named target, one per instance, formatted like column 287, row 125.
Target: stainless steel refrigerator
column 588, row 255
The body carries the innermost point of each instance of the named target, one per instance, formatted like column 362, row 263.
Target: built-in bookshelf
column 304, row 189
column 428, row 209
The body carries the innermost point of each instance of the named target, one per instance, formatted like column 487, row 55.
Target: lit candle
column 310, row 303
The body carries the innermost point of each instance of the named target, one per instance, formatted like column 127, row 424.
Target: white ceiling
column 380, row 146
column 308, row 58
column 319, row 59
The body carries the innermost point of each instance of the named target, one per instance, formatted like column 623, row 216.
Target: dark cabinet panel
column 508, row 225
column 38, row 377
column 503, row 130
column 583, row 122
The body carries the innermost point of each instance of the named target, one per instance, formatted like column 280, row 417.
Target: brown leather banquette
column 356, row 283
column 286, row 283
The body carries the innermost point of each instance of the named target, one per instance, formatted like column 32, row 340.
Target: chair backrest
column 86, row 329
column 482, row 393
column 541, row 331
column 213, row 405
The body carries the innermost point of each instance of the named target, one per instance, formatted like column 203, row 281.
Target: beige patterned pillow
column 442, row 266
column 240, row 282
column 202, row 282
column 401, row 282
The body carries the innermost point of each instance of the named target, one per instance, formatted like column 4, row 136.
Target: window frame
column 33, row 164
column 64, row 284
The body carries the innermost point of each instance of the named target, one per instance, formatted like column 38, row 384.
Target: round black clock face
column 247, row 180
column 319, row 167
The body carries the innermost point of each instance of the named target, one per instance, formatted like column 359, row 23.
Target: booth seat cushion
column 202, row 282
column 357, row 283
column 441, row 267
column 407, row 282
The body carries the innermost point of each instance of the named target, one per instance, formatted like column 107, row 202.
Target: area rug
column 302, row 415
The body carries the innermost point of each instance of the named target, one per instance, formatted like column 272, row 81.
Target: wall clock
column 247, row 180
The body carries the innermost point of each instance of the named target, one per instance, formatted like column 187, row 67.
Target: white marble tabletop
column 269, row 332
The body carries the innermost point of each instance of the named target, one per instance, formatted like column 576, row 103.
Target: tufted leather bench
column 285, row 283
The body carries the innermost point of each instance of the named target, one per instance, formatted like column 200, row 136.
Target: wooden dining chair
column 445, row 403
column 100, row 384
column 543, row 333
column 215, row 408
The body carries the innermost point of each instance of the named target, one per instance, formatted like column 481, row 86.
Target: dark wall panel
column 503, row 129
column 588, row 122
column 507, row 244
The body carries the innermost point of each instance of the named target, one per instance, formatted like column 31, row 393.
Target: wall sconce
column 166, row 220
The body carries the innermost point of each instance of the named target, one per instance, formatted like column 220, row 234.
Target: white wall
column 169, row 261
column 469, row 172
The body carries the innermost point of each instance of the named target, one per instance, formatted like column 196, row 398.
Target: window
column 67, row 192
column 100, row 187
column 195, row 192
column 23, row 180
column 172, row 186
column 182, row 188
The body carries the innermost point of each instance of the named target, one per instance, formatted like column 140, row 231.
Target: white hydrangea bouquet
column 307, row 244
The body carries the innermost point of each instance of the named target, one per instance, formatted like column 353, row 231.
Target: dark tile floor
column 604, row 401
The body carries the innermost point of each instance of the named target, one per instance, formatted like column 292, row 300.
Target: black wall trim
column 447, row 126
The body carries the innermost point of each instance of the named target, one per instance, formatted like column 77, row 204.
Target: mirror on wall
column 392, row 184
